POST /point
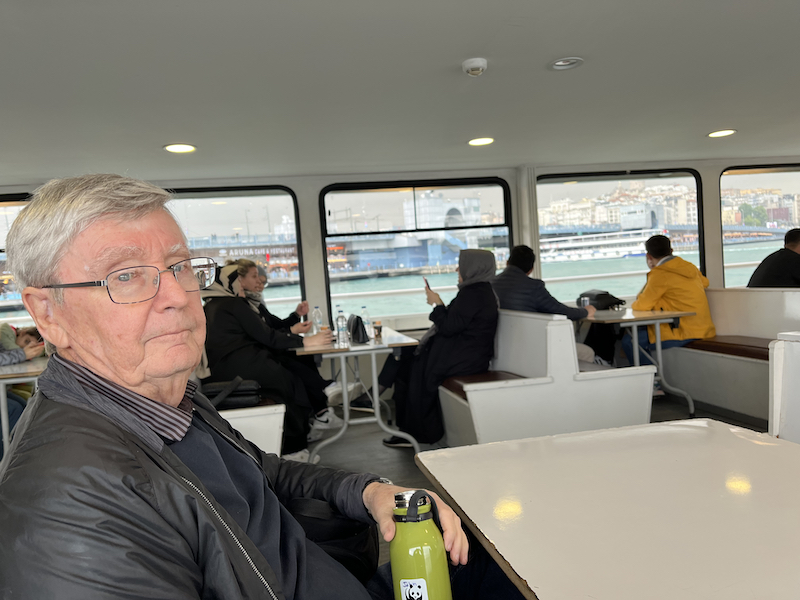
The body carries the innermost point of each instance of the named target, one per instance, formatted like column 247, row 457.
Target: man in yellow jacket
column 672, row 284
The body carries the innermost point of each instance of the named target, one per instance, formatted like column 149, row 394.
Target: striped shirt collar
column 167, row 421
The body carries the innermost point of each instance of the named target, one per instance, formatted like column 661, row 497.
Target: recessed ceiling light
column 722, row 133
column 481, row 141
column 570, row 182
column 219, row 203
column 179, row 148
column 562, row 64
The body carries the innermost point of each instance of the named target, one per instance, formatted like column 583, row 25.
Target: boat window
column 10, row 298
column 382, row 239
column 257, row 224
column 592, row 227
column 759, row 205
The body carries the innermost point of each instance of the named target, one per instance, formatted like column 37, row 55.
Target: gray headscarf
column 475, row 266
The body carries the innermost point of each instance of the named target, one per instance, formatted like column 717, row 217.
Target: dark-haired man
column 518, row 291
column 780, row 269
column 672, row 284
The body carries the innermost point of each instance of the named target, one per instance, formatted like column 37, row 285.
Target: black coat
column 240, row 342
column 779, row 269
column 517, row 291
column 463, row 345
column 95, row 505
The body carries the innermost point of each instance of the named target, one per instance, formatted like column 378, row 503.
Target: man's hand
column 379, row 500
column 323, row 338
column 432, row 297
column 33, row 349
column 302, row 309
column 301, row 327
column 591, row 310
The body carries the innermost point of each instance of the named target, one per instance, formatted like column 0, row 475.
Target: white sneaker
column 334, row 392
column 300, row 456
column 327, row 420
column 315, row 434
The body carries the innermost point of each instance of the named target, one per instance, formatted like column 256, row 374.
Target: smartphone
column 426, row 282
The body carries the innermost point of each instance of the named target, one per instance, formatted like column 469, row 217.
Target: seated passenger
column 780, row 269
column 460, row 342
column 253, row 279
column 239, row 342
column 516, row 290
column 122, row 480
column 672, row 284
column 12, row 338
column 20, row 353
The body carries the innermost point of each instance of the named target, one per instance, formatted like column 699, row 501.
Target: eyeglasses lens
column 138, row 284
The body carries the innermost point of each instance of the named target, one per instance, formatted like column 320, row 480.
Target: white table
column 642, row 318
column 391, row 341
column 24, row 372
column 695, row 509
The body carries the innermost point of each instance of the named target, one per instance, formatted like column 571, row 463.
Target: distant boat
column 621, row 244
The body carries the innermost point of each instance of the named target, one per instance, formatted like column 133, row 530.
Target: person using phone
column 460, row 342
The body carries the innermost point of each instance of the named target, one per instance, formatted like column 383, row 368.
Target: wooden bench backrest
column 521, row 343
column 761, row 312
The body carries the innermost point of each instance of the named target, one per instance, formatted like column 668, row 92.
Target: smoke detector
column 474, row 67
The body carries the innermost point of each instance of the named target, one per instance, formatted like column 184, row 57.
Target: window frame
column 256, row 188
column 630, row 175
column 410, row 183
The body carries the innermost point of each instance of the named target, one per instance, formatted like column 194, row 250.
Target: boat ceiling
column 314, row 87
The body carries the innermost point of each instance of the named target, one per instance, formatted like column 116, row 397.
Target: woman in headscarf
column 461, row 343
column 239, row 342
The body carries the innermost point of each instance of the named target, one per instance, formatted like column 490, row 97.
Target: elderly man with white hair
column 122, row 481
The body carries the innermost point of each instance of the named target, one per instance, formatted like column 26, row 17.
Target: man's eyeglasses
column 139, row 284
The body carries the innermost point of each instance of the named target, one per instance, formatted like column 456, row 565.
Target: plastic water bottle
column 419, row 562
column 341, row 330
column 316, row 320
column 367, row 322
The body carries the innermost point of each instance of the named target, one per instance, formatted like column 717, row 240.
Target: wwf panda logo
column 413, row 589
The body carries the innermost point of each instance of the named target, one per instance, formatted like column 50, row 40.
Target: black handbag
column 601, row 300
column 239, row 393
column 355, row 327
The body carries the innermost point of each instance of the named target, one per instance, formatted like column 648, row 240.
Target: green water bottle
column 419, row 560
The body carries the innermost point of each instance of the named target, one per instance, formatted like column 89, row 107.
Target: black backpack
column 600, row 300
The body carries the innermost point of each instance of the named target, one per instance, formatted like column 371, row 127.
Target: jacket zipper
column 253, row 566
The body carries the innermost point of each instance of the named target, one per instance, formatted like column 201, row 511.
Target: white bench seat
column 736, row 382
column 547, row 394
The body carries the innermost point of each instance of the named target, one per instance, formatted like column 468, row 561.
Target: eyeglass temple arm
column 76, row 285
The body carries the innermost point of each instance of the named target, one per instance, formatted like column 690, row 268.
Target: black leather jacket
column 93, row 505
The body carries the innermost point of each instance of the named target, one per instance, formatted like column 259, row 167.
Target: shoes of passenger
column 300, row 456
column 327, row 420
column 314, row 435
column 599, row 360
column 657, row 391
column 362, row 403
column 396, row 442
column 334, row 391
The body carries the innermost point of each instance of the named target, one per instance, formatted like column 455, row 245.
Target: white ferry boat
column 620, row 244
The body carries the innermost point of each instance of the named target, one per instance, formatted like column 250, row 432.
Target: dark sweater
column 779, row 269
column 237, row 483
column 517, row 291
